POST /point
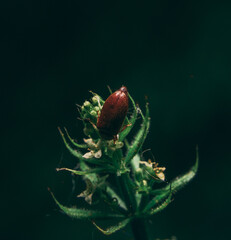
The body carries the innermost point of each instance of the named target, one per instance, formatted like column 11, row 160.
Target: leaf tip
column 60, row 131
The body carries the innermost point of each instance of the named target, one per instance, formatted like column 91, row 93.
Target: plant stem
column 139, row 229
column 128, row 192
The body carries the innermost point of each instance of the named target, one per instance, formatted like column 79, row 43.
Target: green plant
column 115, row 171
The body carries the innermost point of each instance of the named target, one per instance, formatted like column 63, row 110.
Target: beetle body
column 113, row 114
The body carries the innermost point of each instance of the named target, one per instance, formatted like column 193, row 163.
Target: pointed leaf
column 113, row 194
column 76, row 172
column 75, row 143
column 162, row 206
column 92, row 176
column 114, row 228
column 139, row 139
column 109, row 89
column 157, row 200
column 78, row 154
column 135, row 162
column 128, row 189
column 179, row 182
column 71, row 150
column 84, row 213
column 132, row 121
column 100, row 162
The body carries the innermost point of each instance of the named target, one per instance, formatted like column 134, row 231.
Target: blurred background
column 177, row 53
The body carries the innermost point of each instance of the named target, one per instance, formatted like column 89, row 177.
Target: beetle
column 113, row 114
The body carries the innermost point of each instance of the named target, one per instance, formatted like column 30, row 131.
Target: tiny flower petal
column 161, row 176
column 90, row 143
column 88, row 155
column 146, row 164
column 119, row 144
column 98, row 154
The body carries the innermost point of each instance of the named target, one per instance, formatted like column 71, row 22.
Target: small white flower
column 147, row 164
column 88, row 155
column 98, row 154
column 159, row 171
column 95, row 151
column 91, row 144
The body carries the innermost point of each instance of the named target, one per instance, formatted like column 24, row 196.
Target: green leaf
column 160, row 191
column 157, row 200
column 178, row 182
column 181, row 181
column 114, row 228
column 114, row 195
column 73, row 142
column 109, row 89
column 132, row 121
column 135, row 162
column 71, row 150
column 128, row 189
column 139, row 139
column 85, row 213
column 76, row 172
column 92, row 176
column 78, row 154
column 162, row 206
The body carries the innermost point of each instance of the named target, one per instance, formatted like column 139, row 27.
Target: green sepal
column 114, row 228
column 85, row 213
column 139, row 138
column 131, row 122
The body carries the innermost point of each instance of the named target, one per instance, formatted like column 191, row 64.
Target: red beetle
column 113, row 114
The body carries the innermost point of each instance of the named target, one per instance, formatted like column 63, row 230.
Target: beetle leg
column 124, row 127
column 93, row 125
column 98, row 113
column 115, row 138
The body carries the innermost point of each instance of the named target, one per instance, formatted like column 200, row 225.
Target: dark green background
column 175, row 52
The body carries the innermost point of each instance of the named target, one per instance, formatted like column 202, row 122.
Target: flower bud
column 93, row 113
column 96, row 100
column 87, row 104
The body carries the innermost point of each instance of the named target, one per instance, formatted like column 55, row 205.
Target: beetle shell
column 113, row 114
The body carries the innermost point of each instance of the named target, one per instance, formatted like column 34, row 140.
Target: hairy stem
column 128, row 192
column 139, row 229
